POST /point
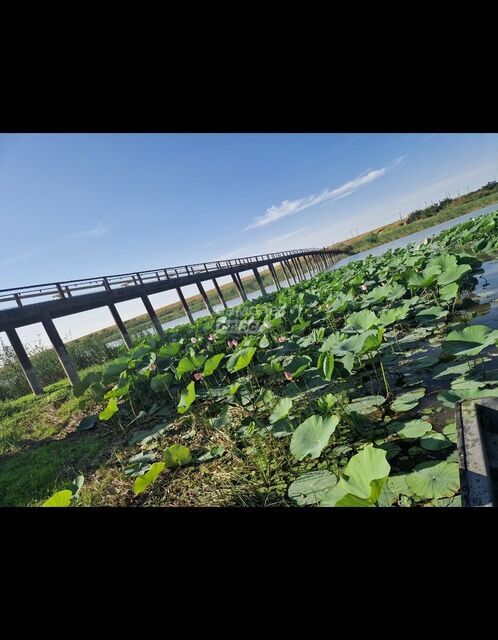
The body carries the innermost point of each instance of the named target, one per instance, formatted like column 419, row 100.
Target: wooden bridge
column 43, row 302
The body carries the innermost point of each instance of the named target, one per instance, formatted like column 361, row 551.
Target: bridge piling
column 308, row 266
column 259, row 280
column 284, row 271
column 301, row 270
column 240, row 287
column 121, row 326
column 220, row 294
column 60, row 349
column 300, row 263
column 185, row 306
column 274, row 277
column 294, row 272
column 205, row 298
column 291, row 271
column 152, row 315
column 24, row 361
column 239, row 277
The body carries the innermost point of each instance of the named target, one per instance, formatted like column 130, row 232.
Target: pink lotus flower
column 282, row 339
column 364, row 287
column 211, row 337
column 288, row 376
column 232, row 343
column 197, row 376
column 193, row 340
column 152, row 367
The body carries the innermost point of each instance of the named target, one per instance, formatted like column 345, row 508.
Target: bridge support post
column 205, row 298
column 308, row 266
column 121, row 326
column 274, row 276
column 301, row 268
column 257, row 275
column 296, row 269
column 185, row 305
column 24, row 361
column 60, row 349
column 284, row 271
column 220, row 294
column 291, row 270
column 240, row 287
column 152, row 315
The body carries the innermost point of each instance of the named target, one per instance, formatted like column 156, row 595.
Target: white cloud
column 290, row 207
column 372, row 215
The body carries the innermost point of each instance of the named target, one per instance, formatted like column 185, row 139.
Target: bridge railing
column 67, row 289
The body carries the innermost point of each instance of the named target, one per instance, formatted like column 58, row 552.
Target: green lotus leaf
column 312, row 436
column 407, row 401
column 392, row 490
column 470, row 340
column 432, row 313
column 433, row 480
column 241, row 359
column 445, row 261
column 361, row 321
column 177, row 456
column 311, row 487
column 326, row 365
column 59, row 499
column 142, row 482
column 434, row 441
column 187, row 398
column 340, row 303
column 110, row 410
column 410, row 429
column 452, row 275
column 424, row 279
column 449, row 397
column 281, row 410
column 390, row 316
column 297, row 365
column 450, row 432
column 449, row 292
column 361, row 484
column 366, row 404
column 212, row 364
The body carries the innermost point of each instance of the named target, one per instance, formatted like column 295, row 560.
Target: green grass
column 40, row 452
column 31, row 475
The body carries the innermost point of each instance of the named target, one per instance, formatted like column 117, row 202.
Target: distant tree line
column 486, row 190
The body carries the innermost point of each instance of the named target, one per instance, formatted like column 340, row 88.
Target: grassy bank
column 420, row 220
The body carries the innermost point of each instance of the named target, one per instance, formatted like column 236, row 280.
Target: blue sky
column 83, row 205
